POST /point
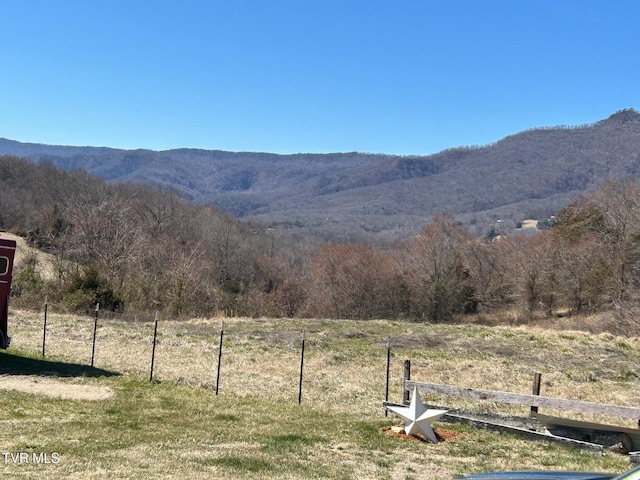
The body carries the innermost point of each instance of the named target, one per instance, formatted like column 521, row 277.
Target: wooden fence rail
column 534, row 401
column 523, row 399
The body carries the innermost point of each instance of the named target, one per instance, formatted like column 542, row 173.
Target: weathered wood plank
column 530, row 434
column 524, row 399
column 451, row 417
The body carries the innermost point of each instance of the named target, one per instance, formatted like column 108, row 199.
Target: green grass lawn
column 177, row 427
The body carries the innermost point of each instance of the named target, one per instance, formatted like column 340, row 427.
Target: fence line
column 526, row 400
column 153, row 351
column 534, row 401
column 44, row 326
column 304, row 334
column 172, row 356
column 160, row 340
column 219, row 357
column 95, row 330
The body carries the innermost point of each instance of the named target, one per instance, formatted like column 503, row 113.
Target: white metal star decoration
column 418, row 418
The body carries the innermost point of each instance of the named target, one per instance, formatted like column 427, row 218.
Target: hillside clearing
column 45, row 263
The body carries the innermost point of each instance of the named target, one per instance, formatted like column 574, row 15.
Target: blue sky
column 400, row 77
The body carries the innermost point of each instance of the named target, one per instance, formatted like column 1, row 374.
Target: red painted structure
column 7, row 251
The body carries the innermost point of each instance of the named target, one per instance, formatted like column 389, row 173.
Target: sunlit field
column 177, row 427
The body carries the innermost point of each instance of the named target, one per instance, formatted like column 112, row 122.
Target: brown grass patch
column 51, row 387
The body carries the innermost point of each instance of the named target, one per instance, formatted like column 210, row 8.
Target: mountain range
column 378, row 197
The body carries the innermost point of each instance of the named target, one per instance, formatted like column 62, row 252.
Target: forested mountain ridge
column 357, row 196
column 137, row 248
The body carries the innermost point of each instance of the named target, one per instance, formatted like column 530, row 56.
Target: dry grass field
column 45, row 265
column 111, row 422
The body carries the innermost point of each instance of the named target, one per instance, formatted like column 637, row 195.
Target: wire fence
column 319, row 362
column 345, row 364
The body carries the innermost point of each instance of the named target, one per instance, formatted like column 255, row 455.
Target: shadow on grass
column 17, row 365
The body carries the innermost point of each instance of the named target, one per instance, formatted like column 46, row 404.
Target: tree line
column 139, row 248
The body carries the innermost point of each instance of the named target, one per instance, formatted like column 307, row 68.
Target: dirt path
column 54, row 388
column 45, row 262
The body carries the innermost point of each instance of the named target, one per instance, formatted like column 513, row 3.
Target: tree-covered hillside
column 137, row 248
